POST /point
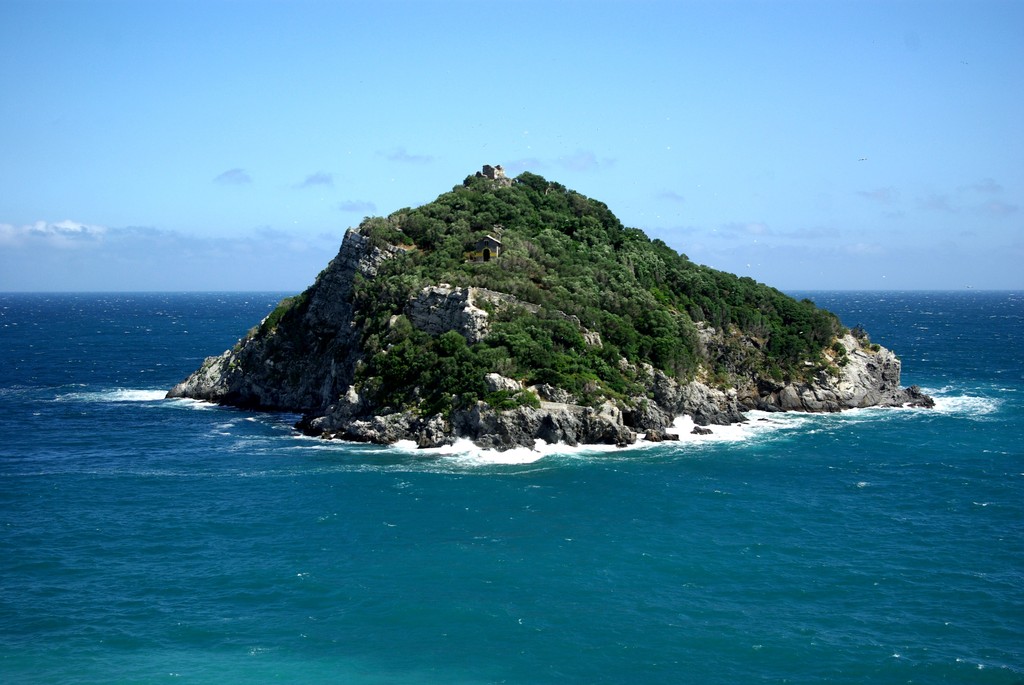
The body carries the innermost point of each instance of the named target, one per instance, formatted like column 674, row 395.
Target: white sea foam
column 465, row 453
column 971, row 405
column 130, row 395
column 114, row 395
column 758, row 426
column 126, row 395
column 223, row 428
column 189, row 403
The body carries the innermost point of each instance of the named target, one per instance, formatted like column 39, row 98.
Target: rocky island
column 508, row 311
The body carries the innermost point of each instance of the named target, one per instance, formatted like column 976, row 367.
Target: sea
column 147, row 540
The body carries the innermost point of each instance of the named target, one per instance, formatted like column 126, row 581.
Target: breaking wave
column 114, row 395
column 969, row 405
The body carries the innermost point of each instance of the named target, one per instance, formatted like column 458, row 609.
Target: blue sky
column 228, row 145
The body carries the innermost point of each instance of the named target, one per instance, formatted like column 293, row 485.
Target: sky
column 228, row 145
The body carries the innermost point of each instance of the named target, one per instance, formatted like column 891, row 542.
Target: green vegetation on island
column 589, row 274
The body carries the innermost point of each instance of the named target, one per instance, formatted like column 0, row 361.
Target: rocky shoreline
column 311, row 368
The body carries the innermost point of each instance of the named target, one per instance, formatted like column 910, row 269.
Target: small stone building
column 494, row 173
column 485, row 249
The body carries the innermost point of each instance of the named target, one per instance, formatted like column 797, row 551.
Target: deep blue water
column 145, row 540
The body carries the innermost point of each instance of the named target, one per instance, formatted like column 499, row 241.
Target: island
column 512, row 310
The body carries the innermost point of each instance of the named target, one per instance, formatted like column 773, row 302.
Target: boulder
column 659, row 435
column 496, row 382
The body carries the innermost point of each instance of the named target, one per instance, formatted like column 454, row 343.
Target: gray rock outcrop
column 552, row 422
column 868, row 378
column 488, row 428
column 441, row 308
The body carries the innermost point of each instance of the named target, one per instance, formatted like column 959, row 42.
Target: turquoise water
column 147, row 540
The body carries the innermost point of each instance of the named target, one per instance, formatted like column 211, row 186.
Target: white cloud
column 357, row 206
column 997, row 208
column 581, row 160
column 883, row 196
column 671, row 196
column 816, row 233
column 66, row 234
column 985, row 185
column 937, row 202
column 584, row 160
column 400, row 155
column 320, row 178
column 755, row 228
column 142, row 258
column 864, row 249
column 517, row 166
column 233, row 177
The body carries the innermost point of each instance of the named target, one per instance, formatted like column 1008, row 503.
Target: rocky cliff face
column 868, row 378
column 305, row 366
column 305, row 357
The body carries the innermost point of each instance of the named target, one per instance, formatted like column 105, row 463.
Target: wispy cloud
column 816, row 233
column 517, row 166
column 985, row 185
column 988, row 204
column 233, row 177
column 69, row 255
column 74, row 234
column 937, row 202
column 402, row 156
column 584, row 160
column 581, row 160
column 976, row 198
column 65, row 234
column 320, row 178
column 671, row 196
column 358, row 206
column 862, row 249
column 754, row 228
column 761, row 233
column 883, row 196
column 997, row 208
